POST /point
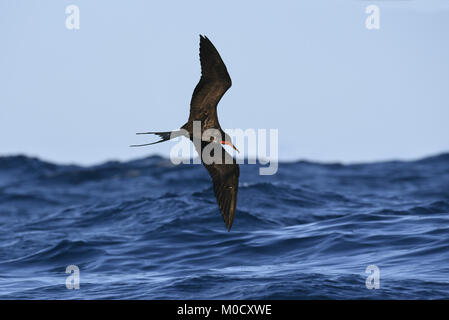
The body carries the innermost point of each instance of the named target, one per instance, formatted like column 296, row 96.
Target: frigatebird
column 213, row 84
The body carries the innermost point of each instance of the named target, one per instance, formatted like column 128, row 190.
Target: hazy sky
column 333, row 88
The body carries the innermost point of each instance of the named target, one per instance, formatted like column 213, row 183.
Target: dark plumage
column 214, row 82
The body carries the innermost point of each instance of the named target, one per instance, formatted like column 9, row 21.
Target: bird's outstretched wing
column 214, row 82
column 225, row 178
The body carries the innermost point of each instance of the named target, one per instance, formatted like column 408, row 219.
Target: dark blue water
column 146, row 229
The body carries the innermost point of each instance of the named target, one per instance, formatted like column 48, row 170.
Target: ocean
column 147, row 229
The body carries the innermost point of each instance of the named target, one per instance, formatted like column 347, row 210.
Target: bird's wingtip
column 203, row 37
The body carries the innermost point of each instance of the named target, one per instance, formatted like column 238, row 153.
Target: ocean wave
column 146, row 229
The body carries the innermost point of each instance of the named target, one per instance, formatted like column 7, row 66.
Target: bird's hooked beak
column 230, row 144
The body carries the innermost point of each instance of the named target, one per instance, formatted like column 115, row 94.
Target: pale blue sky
column 335, row 90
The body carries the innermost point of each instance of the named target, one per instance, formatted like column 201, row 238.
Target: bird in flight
column 214, row 82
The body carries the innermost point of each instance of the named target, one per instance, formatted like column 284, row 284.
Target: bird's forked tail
column 165, row 136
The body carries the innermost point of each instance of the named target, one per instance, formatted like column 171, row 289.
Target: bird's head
column 227, row 141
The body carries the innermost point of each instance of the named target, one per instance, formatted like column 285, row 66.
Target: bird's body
column 214, row 82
